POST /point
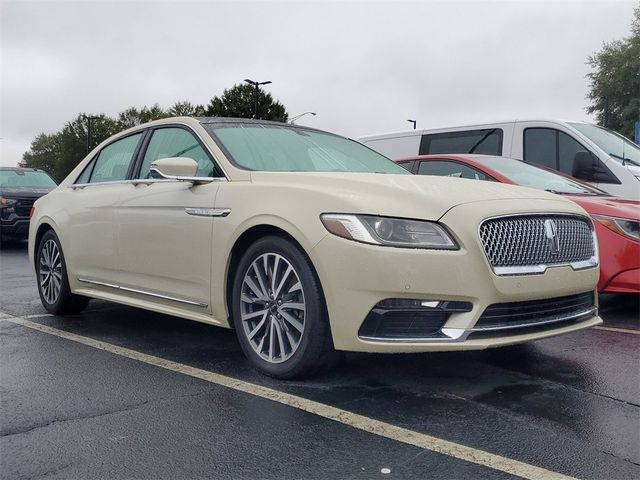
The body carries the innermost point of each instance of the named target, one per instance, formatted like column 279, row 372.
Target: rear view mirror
column 182, row 169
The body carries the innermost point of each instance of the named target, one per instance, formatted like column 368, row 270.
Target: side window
column 567, row 149
column 445, row 168
column 86, row 173
column 177, row 142
column 486, row 141
column 540, row 147
column 112, row 162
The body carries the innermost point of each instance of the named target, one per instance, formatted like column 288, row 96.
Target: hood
column 24, row 192
column 606, row 205
column 411, row 196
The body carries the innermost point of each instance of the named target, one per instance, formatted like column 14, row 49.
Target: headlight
column 395, row 232
column 5, row 202
column 622, row 226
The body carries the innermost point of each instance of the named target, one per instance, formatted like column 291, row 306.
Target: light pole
column 257, row 85
column 414, row 123
column 300, row 116
column 88, row 118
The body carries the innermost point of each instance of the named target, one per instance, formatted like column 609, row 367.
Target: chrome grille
column 524, row 241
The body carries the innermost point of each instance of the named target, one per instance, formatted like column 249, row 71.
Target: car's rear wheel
column 53, row 282
column 278, row 310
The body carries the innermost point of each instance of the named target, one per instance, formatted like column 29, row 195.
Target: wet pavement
column 569, row 404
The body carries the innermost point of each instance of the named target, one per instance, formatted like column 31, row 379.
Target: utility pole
column 257, row 85
column 88, row 118
column 414, row 123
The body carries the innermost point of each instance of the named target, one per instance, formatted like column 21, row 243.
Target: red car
column 617, row 221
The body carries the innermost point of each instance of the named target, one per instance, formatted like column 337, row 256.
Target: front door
column 165, row 227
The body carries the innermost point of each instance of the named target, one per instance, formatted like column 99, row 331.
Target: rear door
column 91, row 235
column 165, row 227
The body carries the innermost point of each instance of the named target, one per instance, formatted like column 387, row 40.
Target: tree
column 186, row 109
column 239, row 101
column 132, row 117
column 615, row 82
column 59, row 153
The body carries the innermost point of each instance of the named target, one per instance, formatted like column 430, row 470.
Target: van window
column 540, row 147
column 485, row 141
column 555, row 149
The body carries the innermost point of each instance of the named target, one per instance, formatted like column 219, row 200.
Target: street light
column 257, row 85
column 301, row 115
column 88, row 118
column 414, row 123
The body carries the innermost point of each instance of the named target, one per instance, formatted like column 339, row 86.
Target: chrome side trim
column 144, row 292
column 451, row 335
column 589, row 312
column 208, row 212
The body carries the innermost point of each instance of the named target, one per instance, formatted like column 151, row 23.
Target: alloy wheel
column 272, row 307
column 50, row 271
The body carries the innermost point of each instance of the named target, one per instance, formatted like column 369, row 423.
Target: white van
column 585, row 151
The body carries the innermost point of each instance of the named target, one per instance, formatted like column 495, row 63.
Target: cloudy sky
column 364, row 67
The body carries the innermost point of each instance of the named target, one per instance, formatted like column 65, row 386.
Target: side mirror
column 585, row 166
column 182, row 169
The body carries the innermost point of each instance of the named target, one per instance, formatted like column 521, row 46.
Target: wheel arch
column 43, row 228
column 248, row 237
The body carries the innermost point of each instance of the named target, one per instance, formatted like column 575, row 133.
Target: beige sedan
column 308, row 243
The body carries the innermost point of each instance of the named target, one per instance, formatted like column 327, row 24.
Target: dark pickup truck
column 19, row 189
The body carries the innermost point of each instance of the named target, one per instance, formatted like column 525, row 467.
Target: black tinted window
column 540, row 147
column 444, row 168
column 485, row 141
column 567, row 149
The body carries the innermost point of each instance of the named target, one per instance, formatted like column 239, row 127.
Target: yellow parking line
column 619, row 330
column 366, row 424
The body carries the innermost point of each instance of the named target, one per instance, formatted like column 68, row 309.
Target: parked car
column 587, row 152
column 19, row 188
column 617, row 221
column 306, row 242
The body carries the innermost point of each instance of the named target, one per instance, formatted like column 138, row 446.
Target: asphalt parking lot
column 122, row 393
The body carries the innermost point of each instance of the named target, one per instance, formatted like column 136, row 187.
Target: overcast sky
column 364, row 67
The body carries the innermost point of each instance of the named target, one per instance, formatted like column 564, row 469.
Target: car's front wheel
column 53, row 282
column 278, row 310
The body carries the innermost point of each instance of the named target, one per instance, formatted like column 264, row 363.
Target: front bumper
column 355, row 277
column 14, row 226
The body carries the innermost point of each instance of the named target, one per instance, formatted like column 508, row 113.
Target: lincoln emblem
column 551, row 231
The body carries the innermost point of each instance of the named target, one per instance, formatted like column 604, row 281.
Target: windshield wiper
column 479, row 142
column 624, row 160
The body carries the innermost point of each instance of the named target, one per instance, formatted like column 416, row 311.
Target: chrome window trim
column 144, row 292
column 146, row 181
column 591, row 262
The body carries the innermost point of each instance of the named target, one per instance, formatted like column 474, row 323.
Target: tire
column 53, row 280
column 279, row 340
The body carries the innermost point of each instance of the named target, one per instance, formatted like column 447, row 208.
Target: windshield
column 527, row 175
column 293, row 149
column 25, row 178
column 617, row 146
